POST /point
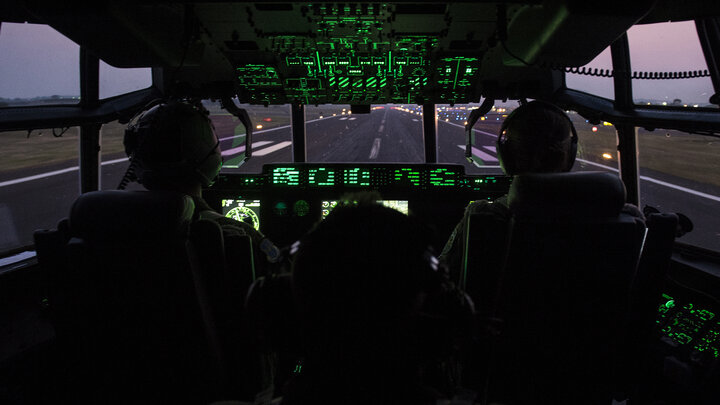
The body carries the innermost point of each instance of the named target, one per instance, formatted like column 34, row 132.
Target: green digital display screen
column 242, row 210
column 357, row 177
column 442, row 177
column 686, row 324
column 406, row 176
column 286, row 176
column 321, row 177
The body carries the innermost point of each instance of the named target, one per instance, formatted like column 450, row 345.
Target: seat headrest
column 130, row 215
column 567, row 195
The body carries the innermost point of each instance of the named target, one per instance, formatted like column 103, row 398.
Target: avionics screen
column 400, row 205
column 247, row 211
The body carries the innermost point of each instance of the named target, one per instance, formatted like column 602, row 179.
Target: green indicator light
column 682, row 338
column 301, row 208
column 705, row 315
column 457, row 69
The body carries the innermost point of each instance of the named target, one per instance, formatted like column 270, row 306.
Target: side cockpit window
column 116, row 81
column 668, row 66
column 39, row 167
column 679, row 171
column 38, row 66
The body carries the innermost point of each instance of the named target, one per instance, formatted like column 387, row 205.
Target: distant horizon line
column 640, row 101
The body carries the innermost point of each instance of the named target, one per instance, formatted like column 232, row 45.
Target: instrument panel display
column 686, row 324
column 373, row 176
column 241, row 210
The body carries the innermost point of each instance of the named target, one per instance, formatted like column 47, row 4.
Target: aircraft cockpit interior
column 600, row 284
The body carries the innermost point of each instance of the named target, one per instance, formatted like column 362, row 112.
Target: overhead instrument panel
column 356, row 53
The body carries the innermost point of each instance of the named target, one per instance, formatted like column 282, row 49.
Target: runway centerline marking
column 375, row 149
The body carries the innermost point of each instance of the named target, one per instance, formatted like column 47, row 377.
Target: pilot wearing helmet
column 173, row 147
column 537, row 137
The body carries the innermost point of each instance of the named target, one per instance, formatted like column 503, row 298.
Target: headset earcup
column 501, row 148
column 208, row 169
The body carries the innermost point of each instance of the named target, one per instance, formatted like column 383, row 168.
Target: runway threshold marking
column 241, row 148
column 110, row 162
column 482, row 155
column 271, row 149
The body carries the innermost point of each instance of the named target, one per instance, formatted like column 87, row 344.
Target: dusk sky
column 37, row 61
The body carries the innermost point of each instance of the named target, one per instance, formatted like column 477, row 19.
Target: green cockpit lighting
column 406, row 176
column 441, row 177
column 357, row 177
column 359, row 54
column 287, row 176
column 321, row 177
column 687, row 324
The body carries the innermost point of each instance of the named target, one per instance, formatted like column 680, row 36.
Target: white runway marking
column 110, row 162
column 375, row 149
column 492, row 149
column 382, row 128
column 482, row 155
column 271, row 149
column 352, row 118
column 660, row 182
column 343, row 118
column 54, row 173
column 273, row 129
column 241, row 149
